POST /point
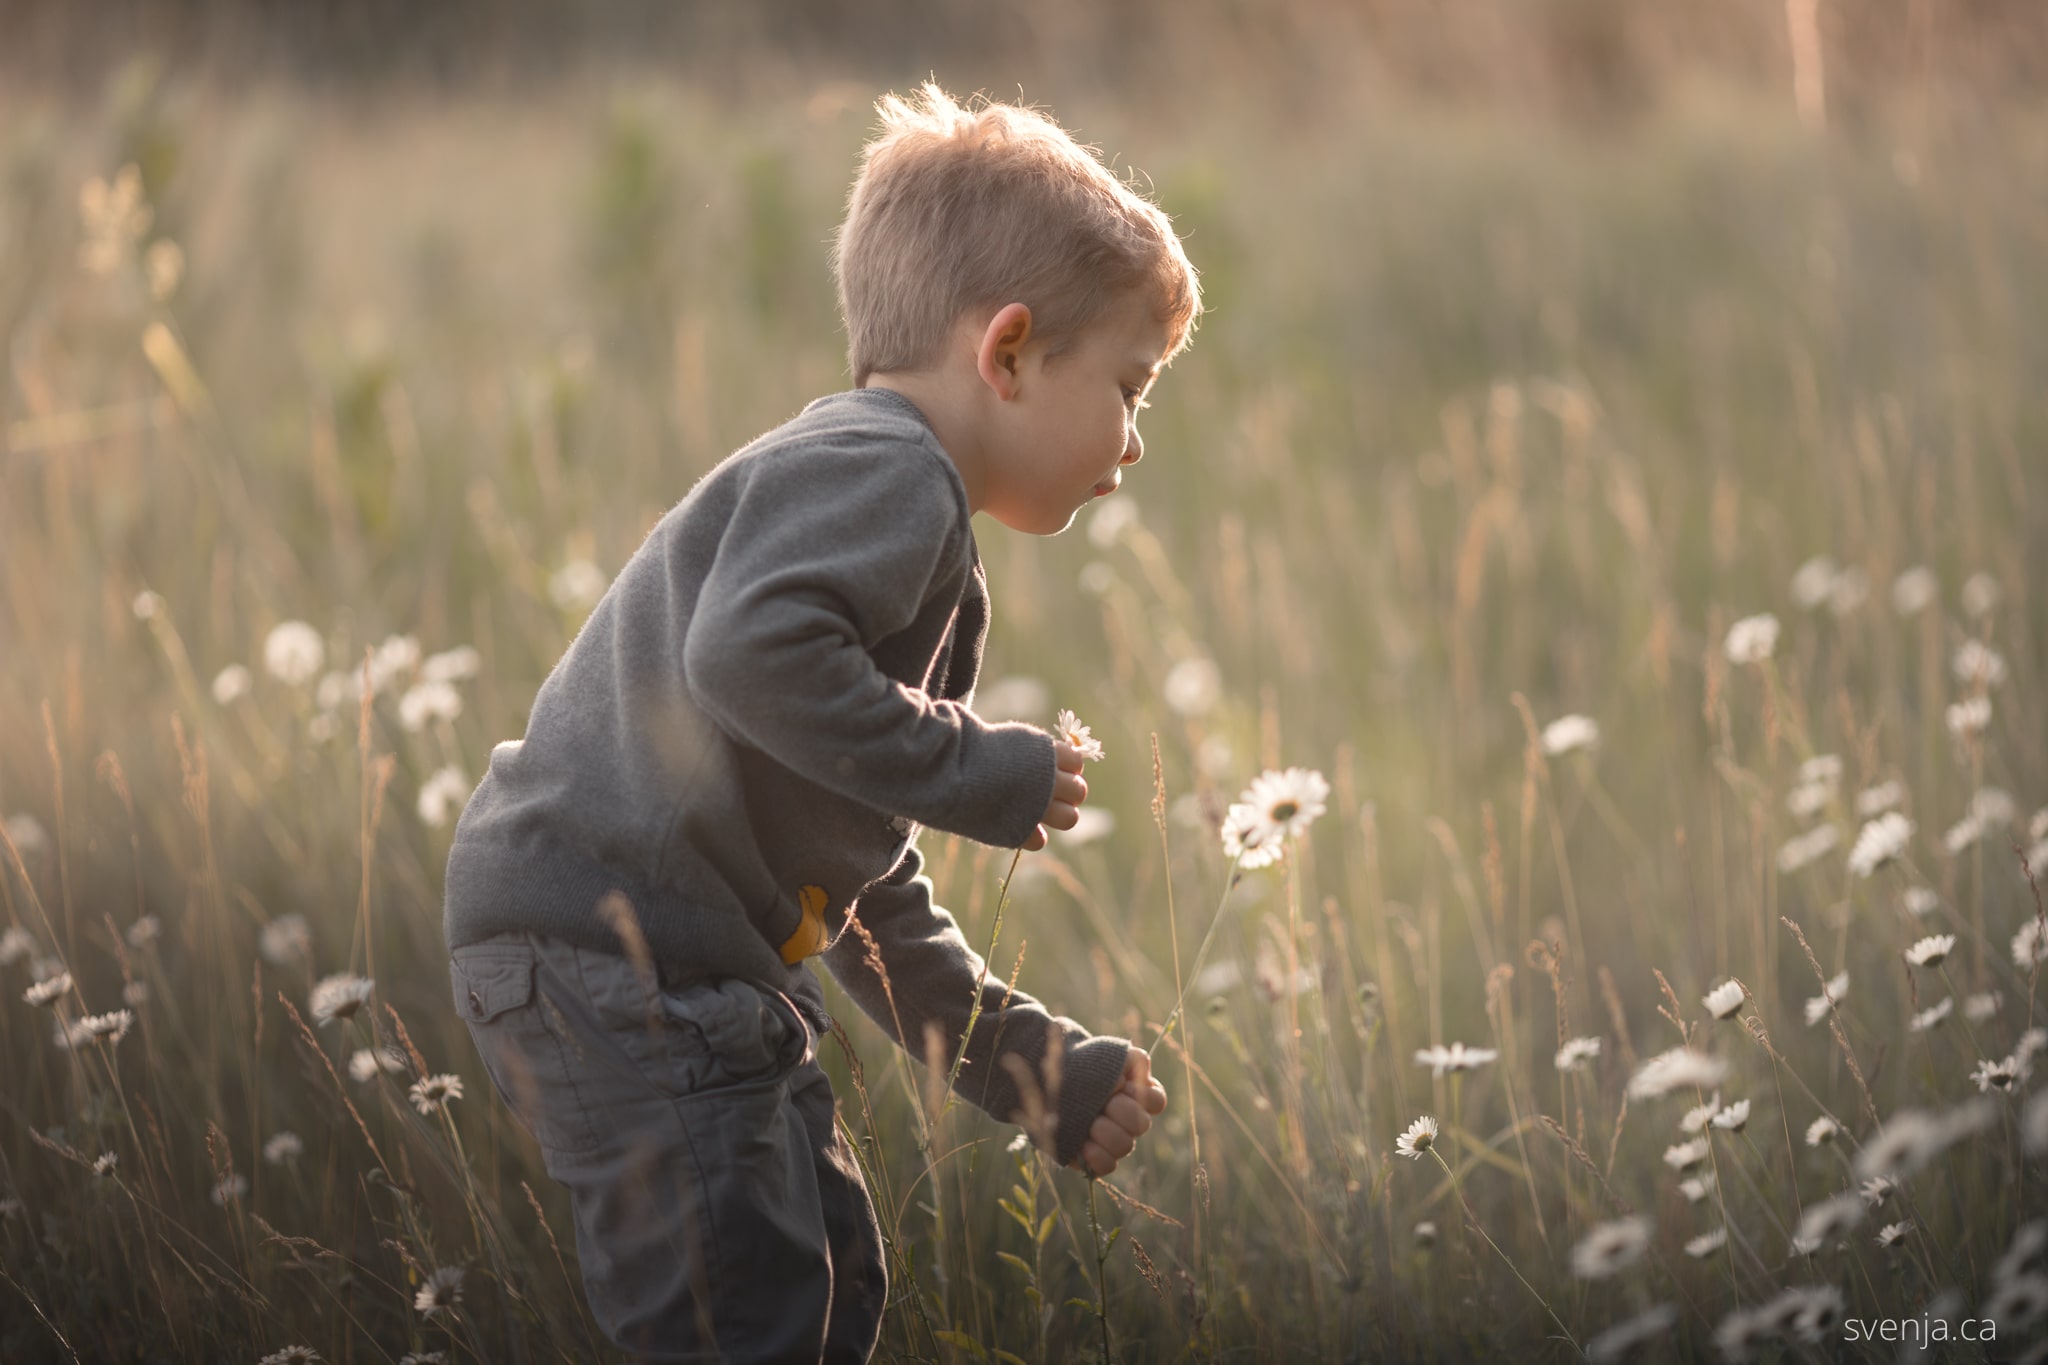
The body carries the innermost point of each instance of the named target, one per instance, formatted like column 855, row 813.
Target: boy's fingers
column 1036, row 841
column 1060, row 815
column 1154, row 1098
column 1070, row 788
column 1095, row 1159
column 1066, row 757
column 1112, row 1137
column 1127, row 1114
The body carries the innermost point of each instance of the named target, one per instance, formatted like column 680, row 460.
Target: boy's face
column 1072, row 424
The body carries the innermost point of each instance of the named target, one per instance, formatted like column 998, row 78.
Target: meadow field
column 1639, row 527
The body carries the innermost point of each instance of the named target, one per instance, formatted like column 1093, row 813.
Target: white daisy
column 1875, row 801
column 577, row 585
column 1610, row 1248
column 1879, row 842
column 1911, row 1138
column 1248, row 841
column 1752, row 640
column 1978, row 665
column 431, row 1094
column 452, row 665
column 1812, row 582
column 1706, row 1244
column 1914, row 590
column 1678, row 1069
column 1966, row 718
column 1741, row 1331
column 1962, row 835
column 105, row 1163
column 1802, row 851
column 146, row 930
column 2003, row 1074
column 229, row 1188
column 441, row 1291
column 1980, row 594
column 1809, row 1313
column 442, row 796
column 1425, row 1234
column 1931, row 951
column 1877, row 1189
column 1696, row 1188
column 1724, row 999
column 15, row 943
column 292, row 1355
column 1981, row 1006
column 1920, row 901
column 364, row 1064
column 285, row 940
column 2018, row 1304
column 135, row 993
column 1823, row 770
column 1618, row 1342
column 339, row 996
column 1684, row 1156
column 1697, row 1117
column 1068, row 729
column 231, row 684
column 1577, row 1053
column 48, row 990
column 1933, row 1015
column 109, row 1028
column 1419, row 1138
column 1891, row 1234
column 1822, row 1130
column 426, row 702
column 1851, row 590
column 1193, row 686
column 293, row 653
column 1831, row 991
column 2030, row 945
column 1733, row 1118
column 1286, row 803
column 282, row 1147
column 1570, row 735
column 1827, row 1221
column 1456, row 1057
column 1808, row 799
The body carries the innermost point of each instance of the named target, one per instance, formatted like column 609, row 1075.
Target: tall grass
column 1489, row 425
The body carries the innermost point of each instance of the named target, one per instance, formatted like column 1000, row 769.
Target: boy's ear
column 1002, row 345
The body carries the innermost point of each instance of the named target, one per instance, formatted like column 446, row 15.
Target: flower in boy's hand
column 1068, row 729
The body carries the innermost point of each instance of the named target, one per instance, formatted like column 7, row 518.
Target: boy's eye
column 1133, row 402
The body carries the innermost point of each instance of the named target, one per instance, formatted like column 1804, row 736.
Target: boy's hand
column 1068, row 792
column 1126, row 1118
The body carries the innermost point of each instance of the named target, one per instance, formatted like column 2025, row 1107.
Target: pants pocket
column 528, row 1047
column 697, row 1038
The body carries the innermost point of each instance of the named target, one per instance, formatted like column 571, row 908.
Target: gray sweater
column 745, row 735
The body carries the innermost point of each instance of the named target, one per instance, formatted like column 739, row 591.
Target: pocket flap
column 490, row 980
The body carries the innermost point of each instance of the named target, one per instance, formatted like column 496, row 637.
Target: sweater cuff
column 1008, row 787
column 1091, row 1068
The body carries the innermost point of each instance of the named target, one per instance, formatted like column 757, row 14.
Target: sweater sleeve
column 828, row 552
column 913, row 973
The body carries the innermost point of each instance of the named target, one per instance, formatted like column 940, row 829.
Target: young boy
column 725, row 775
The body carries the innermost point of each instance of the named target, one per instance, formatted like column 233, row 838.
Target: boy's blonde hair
column 963, row 208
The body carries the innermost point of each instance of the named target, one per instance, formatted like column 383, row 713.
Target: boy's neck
column 951, row 420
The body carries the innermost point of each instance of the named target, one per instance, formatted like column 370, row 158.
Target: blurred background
column 1545, row 339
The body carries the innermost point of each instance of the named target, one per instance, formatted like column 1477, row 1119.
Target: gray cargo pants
column 719, row 1214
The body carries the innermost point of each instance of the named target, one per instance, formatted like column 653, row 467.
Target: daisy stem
column 1101, row 1269
column 1195, row 967
column 1962, row 1014
column 1473, row 1219
column 974, row 1012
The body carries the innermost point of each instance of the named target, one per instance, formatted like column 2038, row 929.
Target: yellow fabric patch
column 809, row 938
